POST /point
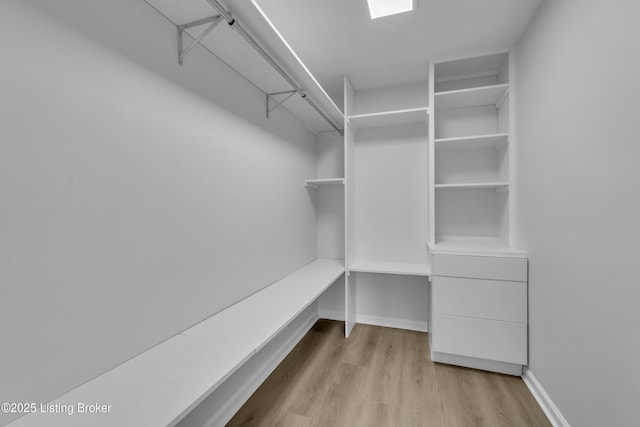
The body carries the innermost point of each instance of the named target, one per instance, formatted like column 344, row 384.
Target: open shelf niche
column 328, row 195
column 386, row 137
column 472, row 148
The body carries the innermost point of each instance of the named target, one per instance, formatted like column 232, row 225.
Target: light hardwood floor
column 382, row 377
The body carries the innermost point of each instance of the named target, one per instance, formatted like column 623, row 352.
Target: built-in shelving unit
column 389, row 118
column 391, row 268
column 386, row 157
column 315, row 183
column 478, row 292
column 471, row 173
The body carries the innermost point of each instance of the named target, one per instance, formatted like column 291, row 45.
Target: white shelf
column 315, row 183
column 390, row 118
column 469, row 142
column 161, row 385
column 474, row 185
column 391, row 268
column 474, row 97
column 468, row 68
column 472, row 245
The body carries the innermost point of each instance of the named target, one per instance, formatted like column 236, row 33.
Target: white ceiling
column 337, row 37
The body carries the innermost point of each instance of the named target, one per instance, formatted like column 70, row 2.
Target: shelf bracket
column 213, row 21
column 271, row 96
column 503, row 97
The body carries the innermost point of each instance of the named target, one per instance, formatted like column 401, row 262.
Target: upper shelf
column 391, row 268
column 390, row 118
column 315, row 183
column 474, row 97
column 474, row 185
column 477, row 141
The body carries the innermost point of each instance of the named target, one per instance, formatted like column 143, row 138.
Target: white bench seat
column 160, row 386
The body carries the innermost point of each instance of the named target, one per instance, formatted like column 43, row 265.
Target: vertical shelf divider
column 432, row 177
column 349, row 204
column 513, row 194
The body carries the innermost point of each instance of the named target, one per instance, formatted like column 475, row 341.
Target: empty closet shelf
column 412, row 269
column 161, row 385
column 315, row 183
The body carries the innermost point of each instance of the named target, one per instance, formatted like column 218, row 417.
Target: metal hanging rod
column 236, row 25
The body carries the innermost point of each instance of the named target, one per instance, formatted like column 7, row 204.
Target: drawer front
column 480, row 267
column 484, row 339
column 487, row 299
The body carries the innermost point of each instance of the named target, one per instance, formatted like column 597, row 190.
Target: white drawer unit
column 479, row 312
column 481, row 267
column 484, row 339
column 484, row 299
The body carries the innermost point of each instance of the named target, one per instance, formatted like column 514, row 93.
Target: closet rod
column 236, row 25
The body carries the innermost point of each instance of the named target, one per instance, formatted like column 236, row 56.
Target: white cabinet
column 479, row 312
column 479, row 287
column 481, row 267
column 474, row 338
column 485, row 299
column 430, row 162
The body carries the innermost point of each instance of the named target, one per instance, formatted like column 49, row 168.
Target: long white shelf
column 161, row 385
column 473, row 245
column 474, row 97
column 315, row 183
column 391, row 268
column 474, row 185
column 468, row 142
column 390, row 118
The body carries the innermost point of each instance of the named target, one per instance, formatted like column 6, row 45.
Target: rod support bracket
column 213, row 21
column 271, row 97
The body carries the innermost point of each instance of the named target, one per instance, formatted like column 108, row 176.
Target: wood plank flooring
column 382, row 377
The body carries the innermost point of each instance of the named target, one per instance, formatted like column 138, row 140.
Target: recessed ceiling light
column 380, row 8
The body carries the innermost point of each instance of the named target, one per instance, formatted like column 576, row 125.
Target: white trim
column 548, row 407
column 476, row 363
column 390, row 322
column 228, row 409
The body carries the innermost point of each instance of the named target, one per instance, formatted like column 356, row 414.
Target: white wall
column 391, row 186
column 578, row 87
column 330, row 198
column 138, row 197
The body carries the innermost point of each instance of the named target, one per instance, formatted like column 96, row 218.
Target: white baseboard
column 235, row 401
column 550, row 409
column 475, row 363
column 390, row 322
